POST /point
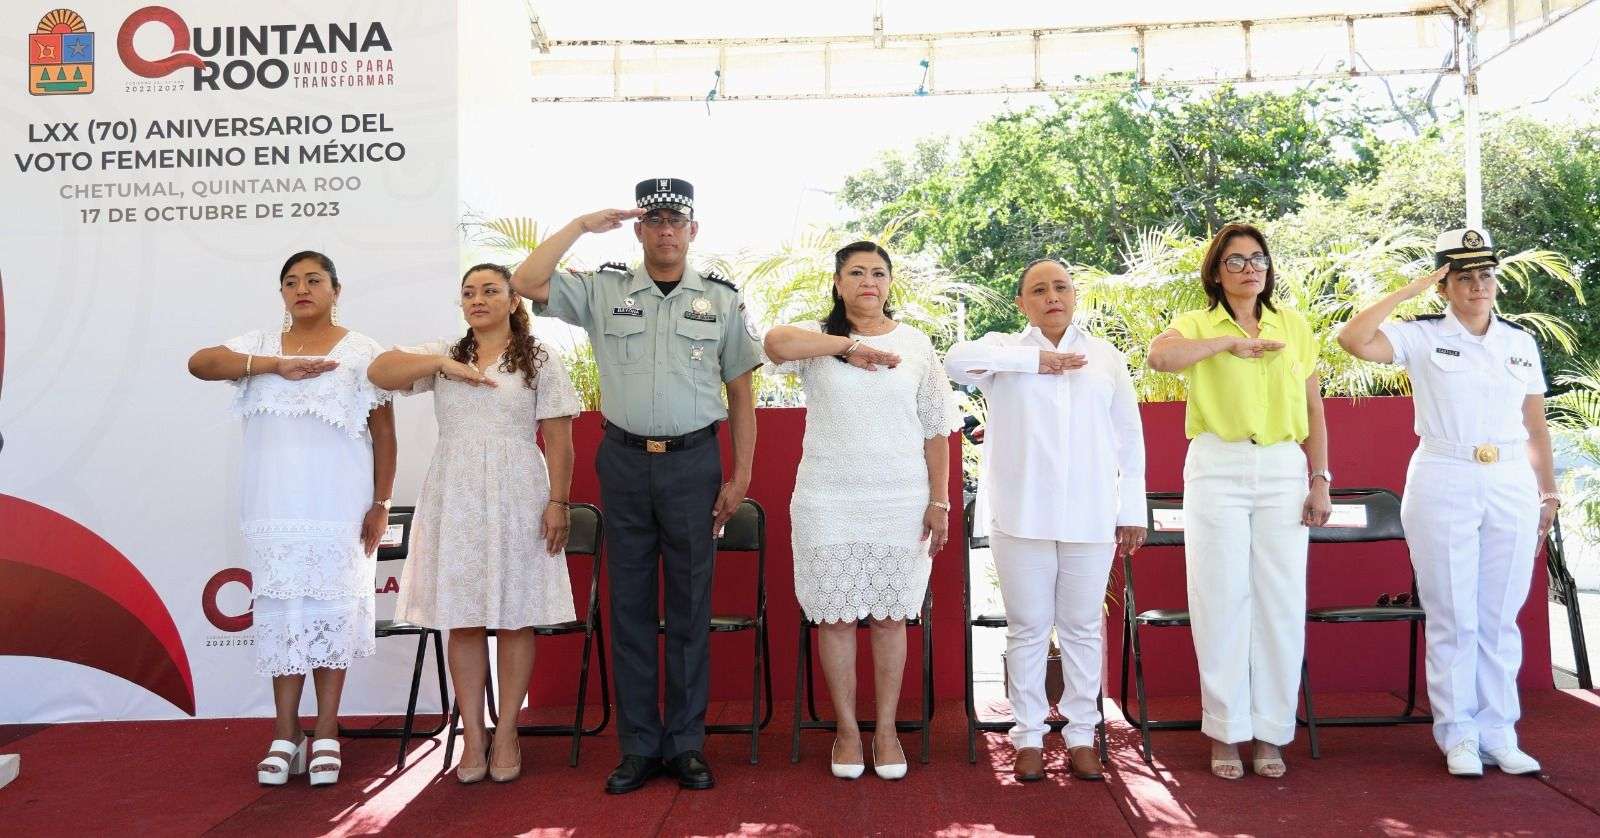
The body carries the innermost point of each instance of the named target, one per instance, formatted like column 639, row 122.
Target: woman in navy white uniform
column 1480, row 493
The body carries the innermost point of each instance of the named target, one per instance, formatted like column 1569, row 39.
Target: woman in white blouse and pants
column 1064, row 479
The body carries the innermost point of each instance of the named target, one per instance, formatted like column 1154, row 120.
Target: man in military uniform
column 667, row 340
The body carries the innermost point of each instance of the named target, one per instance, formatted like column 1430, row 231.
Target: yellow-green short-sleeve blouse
column 1249, row 398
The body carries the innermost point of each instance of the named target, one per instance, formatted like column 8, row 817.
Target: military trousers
column 658, row 516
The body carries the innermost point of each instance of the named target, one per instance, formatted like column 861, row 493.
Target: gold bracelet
column 561, row 502
column 945, row 505
column 248, row 359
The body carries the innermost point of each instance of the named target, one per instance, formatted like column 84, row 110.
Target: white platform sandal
column 325, row 762
column 284, row 760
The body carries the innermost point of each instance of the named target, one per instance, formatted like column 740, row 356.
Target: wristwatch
column 1324, row 474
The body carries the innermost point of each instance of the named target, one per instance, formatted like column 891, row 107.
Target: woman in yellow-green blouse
column 1255, row 478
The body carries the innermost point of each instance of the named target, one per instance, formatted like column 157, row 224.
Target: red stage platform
column 193, row 777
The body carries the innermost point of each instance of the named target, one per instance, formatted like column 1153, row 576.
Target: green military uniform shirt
column 662, row 360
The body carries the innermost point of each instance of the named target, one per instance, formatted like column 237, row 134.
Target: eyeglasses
column 676, row 222
column 1235, row 263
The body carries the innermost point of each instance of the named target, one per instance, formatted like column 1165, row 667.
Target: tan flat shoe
column 1028, row 765
column 1084, row 763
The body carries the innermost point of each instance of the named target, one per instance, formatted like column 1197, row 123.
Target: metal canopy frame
column 634, row 67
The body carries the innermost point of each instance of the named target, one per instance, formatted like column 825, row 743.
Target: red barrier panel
column 1370, row 444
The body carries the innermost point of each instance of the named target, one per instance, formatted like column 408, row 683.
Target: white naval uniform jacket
column 1063, row 455
column 1468, row 390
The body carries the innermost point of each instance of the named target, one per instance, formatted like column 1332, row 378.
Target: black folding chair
column 582, row 540
column 1382, row 510
column 998, row 620
column 746, row 532
column 1563, row 591
column 805, row 691
column 1133, row 619
column 391, row 551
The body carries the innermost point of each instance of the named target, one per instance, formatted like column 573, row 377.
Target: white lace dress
column 862, row 486
column 477, row 555
column 305, row 485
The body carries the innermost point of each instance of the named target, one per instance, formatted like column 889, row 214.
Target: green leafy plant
column 1575, row 427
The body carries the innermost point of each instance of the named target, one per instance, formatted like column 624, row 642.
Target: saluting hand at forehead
column 606, row 220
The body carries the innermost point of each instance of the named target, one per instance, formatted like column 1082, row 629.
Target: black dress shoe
column 691, row 770
column 632, row 773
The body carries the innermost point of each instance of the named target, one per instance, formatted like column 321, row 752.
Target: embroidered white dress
column 305, row 485
column 477, row 554
column 862, row 486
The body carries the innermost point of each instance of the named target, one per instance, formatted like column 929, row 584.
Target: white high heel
column 325, row 762
column 284, row 760
column 894, row 771
column 844, row 770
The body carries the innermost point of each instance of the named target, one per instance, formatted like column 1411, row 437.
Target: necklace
column 300, row 350
column 872, row 329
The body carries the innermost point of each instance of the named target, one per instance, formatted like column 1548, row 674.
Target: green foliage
column 1082, row 179
column 1575, row 427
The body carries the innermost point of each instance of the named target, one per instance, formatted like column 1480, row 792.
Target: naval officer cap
column 668, row 193
column 1464, row 249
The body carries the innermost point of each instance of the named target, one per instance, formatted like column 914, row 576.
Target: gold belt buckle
column 659, row 446
column 1486, row 454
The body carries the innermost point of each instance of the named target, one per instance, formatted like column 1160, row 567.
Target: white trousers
column 1473, row 532
column 1245, row 555
column 1060, row 584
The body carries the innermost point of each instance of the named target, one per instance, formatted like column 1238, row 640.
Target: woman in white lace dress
column 870, row 502
column 318, row 467
column 488, row 540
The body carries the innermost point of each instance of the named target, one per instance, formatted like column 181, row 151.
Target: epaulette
column 1422, row 317
column 718, row 279
column 1512, row 323
column 619, row 267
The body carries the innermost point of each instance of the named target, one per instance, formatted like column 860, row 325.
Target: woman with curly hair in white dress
column 870, row 505
column 314, row 484
column 488, row 539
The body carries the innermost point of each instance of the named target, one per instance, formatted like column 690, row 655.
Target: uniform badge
column 700, row 310
column 1454, row 353
column 697, row 353
column 627, row 309
column 1471, row 238
column 627, row 302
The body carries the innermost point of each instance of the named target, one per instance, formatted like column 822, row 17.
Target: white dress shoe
column 1463, row 759
column 1511, row 760
column 893, row 771
column 844, row 770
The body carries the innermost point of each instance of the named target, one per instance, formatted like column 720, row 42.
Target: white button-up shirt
column 1467, row 389
column 1063, row 455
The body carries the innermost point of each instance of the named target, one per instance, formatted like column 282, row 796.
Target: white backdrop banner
column 159, row 163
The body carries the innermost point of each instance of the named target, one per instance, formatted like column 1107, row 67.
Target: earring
column 333, row 316
column 287, row 322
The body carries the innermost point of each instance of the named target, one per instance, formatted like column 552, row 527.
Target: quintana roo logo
column 66, row 594
column 61, row 55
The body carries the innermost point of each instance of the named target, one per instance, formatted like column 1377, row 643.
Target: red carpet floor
column 196, row 777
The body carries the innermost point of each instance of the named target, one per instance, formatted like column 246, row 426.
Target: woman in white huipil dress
column 489, row 534
column 870, row 503
column 318, row 464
